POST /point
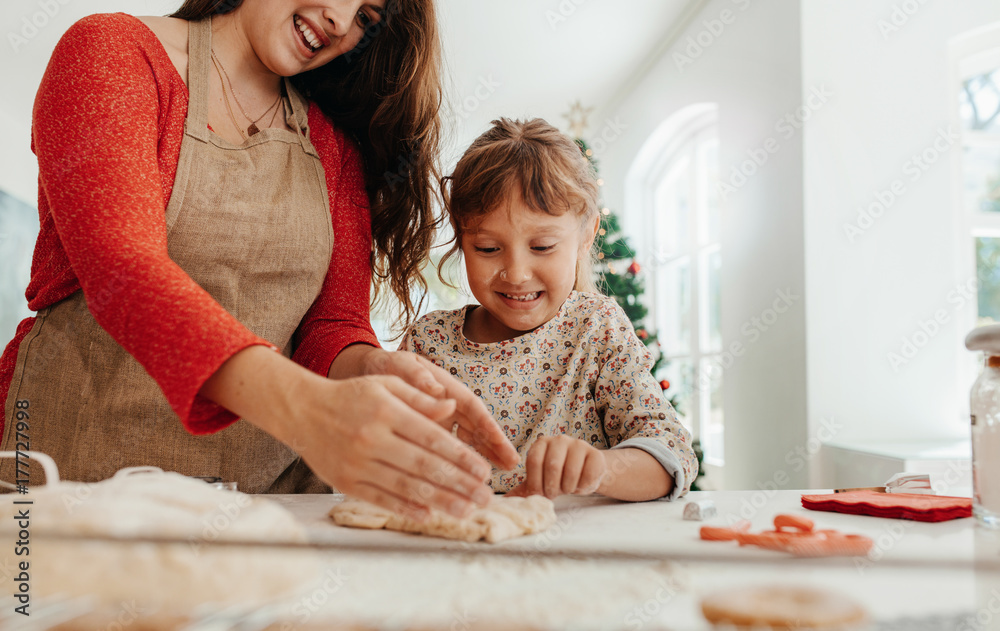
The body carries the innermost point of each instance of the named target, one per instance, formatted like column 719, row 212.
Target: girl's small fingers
column 534, row 467
column 593, row 472
column 572, row 469
column 555, row 459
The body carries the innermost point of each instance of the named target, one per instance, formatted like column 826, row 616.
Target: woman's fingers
column 517, row 491
column 425, row 464
column 481, row 430
column 417, row 491
column 431, row 436
column 380, row 497
column 433, row 408
column 487, row 450
column 410, row 369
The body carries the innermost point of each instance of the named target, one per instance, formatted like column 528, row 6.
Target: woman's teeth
column 522, row 297
column 308, row 35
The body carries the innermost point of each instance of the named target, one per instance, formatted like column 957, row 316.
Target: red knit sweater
column 107, row 127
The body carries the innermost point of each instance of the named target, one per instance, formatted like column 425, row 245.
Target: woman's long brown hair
column 386, row 94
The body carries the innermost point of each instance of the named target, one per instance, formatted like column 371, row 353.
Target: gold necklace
column 252, row 129
column 226, row 98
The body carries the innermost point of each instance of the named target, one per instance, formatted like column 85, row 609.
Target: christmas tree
column 620, row 274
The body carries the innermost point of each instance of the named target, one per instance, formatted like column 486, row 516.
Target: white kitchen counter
column 597, row 526
column 604, row 565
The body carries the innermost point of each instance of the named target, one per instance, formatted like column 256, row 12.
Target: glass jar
column 985, row 411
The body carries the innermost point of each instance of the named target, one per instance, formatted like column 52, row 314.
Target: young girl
column 557, row 363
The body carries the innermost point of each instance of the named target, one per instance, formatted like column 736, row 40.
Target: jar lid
column 984, row 338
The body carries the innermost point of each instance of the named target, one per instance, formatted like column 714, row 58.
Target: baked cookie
column 781, row 607
column 504, row 518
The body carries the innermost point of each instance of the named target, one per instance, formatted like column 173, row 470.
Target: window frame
column 675, row 146
column 973, row 53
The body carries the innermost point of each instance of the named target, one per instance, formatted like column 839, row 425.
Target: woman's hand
column 379, row 439
column 562, row 465
column 475, row 425
column 376, row 438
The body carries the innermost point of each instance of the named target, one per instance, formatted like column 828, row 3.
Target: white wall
column 751, row 69
column 893, row 95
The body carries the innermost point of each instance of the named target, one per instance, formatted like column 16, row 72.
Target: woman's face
column 293, row 36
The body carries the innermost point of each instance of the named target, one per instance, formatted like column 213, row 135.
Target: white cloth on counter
column 150, row 504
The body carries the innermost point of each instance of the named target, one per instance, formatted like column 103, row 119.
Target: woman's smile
column 311, row 39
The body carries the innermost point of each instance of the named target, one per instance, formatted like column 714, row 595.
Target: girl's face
column 293, row 36
column 522, row 266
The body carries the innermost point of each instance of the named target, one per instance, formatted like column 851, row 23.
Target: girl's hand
column 561, row 465
column 475, row 425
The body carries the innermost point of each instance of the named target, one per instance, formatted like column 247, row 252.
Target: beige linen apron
column 251, row 225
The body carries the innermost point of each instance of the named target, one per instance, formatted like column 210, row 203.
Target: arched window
column 672, row 208
column 976, row 64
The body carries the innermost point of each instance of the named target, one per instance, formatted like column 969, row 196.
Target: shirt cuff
column 667, row 459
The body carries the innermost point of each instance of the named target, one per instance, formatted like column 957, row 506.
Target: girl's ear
column 590, row 232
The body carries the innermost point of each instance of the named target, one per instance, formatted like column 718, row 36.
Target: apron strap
column 199, row 67
column 298, row 118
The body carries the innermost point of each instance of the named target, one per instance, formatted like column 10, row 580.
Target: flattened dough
column 504, row 518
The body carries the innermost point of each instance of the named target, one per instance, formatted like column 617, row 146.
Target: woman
column 206, row 250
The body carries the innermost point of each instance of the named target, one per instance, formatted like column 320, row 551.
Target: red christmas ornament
column 634, row 268
column 665, row 384
column 642, row 334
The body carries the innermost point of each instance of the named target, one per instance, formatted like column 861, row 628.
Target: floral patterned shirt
column 583, row 373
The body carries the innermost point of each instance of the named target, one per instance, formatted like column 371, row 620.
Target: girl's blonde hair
column 532, row 159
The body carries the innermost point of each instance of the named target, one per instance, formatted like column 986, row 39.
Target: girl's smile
column 521, row 265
